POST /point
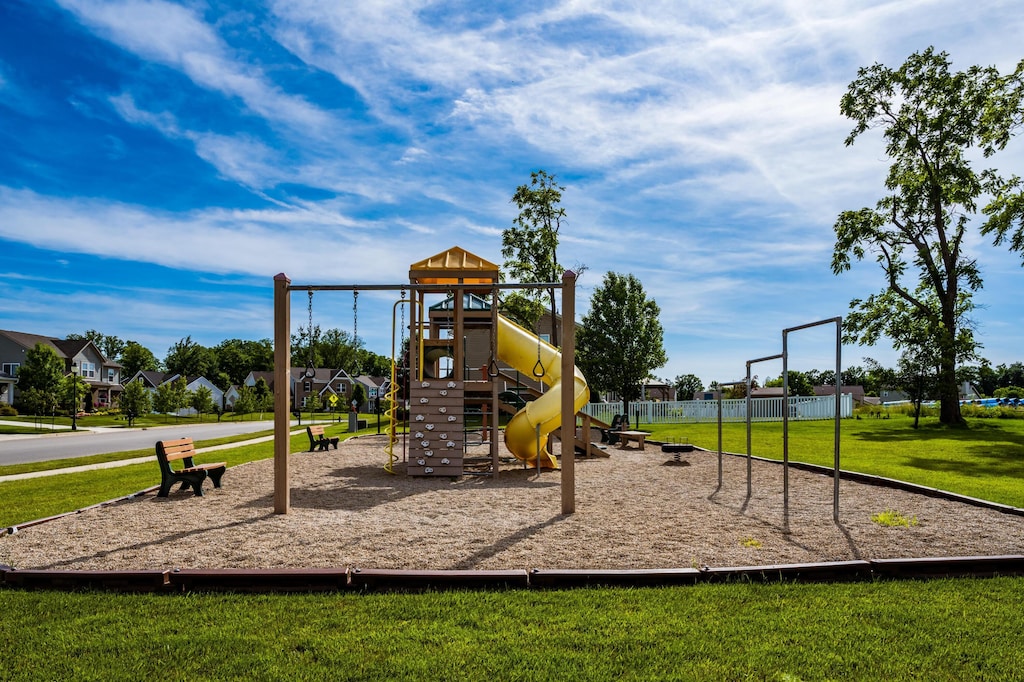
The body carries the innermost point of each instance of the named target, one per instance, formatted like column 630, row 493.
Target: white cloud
column 177, row 37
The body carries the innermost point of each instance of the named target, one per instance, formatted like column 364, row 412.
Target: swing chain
column 538, row 369
column 355, row 328
column 309, row 372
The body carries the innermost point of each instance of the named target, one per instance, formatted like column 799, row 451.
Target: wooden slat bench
column 318, row 440
column 192, row 475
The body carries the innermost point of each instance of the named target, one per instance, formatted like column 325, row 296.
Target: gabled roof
column 452, row 267
column 66, row 348
column 150, row 377
column 28, row 341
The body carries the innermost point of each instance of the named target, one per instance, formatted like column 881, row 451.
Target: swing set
column 411, row 295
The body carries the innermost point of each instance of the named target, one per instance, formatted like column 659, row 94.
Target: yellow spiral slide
column 520, row 349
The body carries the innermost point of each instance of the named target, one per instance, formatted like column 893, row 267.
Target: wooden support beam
column 282, row 392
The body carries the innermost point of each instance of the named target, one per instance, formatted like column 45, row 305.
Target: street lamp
column 74, row 388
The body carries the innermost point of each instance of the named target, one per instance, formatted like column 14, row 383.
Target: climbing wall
column 436, row 429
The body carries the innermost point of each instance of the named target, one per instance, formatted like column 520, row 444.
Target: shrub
column 8, row 411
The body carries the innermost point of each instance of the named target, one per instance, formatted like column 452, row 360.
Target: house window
column 10, row 368
column 307, row 386
column 546, row 338
column 88, row 370
column 111, row 376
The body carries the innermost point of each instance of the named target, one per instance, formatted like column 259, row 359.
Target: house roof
column 30, row 340
column 454, row 266
column 829, row 389
column 66, row 348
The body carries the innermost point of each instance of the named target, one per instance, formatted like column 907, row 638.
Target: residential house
column 325, row 383
column 103, row 376
column 856, row 391
column 151, row 380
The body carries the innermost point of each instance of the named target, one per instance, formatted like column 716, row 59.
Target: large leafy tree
column 110, row 346
column 190, row 359
column 620, row 341
column 235, row 358
column 933, row 121
column 687, row 385
column 530, row 246
column 136, row 358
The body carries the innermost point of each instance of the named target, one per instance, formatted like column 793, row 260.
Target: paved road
column 62, row 445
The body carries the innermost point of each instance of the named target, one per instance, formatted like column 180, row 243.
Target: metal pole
column 785, row 428
column 749, row 408
column 747, row 411
column 719, row 436
column 839, row 383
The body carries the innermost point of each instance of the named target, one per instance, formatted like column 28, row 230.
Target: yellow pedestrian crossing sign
column 333, row 400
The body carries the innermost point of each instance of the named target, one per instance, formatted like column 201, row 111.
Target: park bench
column 191, row 475
column 318, row 440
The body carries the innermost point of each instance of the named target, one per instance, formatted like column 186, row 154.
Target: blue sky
column 163, row 161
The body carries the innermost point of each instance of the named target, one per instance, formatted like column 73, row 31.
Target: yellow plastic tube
column 519, row 348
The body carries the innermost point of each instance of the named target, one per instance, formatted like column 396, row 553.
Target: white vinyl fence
column 761, row 410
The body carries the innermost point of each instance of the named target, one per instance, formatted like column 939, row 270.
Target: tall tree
column 110, row 346
column 620, row 341
column 190, row 359
column 687, row 385
column 530, row 246
column 136, row 358
column 235, row 358
column 797, row 383
column 932, row 120
column 201, row 400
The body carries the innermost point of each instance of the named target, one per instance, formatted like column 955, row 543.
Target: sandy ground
column 633, row 510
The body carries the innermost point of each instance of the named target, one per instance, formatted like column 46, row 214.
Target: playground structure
column 461, row 354
column 440, row 343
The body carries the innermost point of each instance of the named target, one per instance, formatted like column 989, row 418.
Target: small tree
column 135, row 401
column 201, row 400
column 620, row 341
column 245, row 403
column 264, row 398
column 358, row 395
column 171, row 396
column 74, row 390
column 312, row 403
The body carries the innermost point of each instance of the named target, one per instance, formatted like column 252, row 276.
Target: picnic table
column 626, row 436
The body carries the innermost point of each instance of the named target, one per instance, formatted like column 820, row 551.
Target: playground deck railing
column 803, row 408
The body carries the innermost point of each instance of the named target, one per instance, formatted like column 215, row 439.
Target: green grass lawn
column 934, row 630
column 923, row 630
column 985, row 460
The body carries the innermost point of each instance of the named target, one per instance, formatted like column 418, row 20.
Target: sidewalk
column 134, row 460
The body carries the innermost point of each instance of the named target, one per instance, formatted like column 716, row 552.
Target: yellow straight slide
column 519, row 348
